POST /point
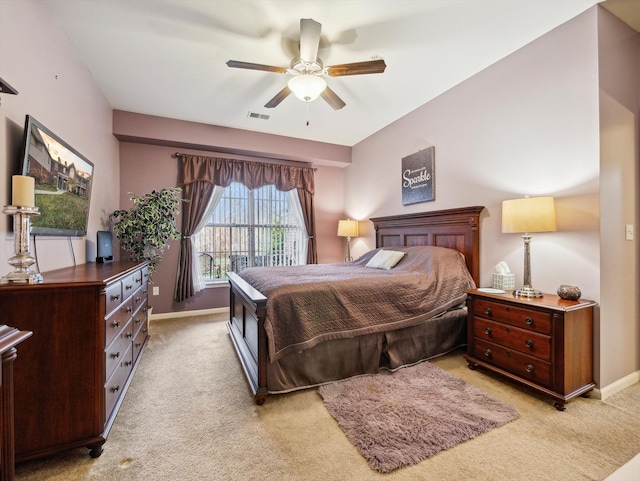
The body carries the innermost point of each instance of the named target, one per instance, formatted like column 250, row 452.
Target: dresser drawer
column 526, row 367
column 117, row 320
column 140, row 338
column 140, row 297
column 530, row 319
column 114, row 296
column 129, row 284
column 139, row 319
column 114, row 387
column 528, row 342
column 115, row 352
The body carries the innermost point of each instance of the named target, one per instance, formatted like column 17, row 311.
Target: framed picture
column 418, row 177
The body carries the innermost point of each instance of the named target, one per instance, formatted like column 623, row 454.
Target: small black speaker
column 104, row 245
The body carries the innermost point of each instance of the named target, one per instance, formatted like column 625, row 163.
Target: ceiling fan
column 307, row 71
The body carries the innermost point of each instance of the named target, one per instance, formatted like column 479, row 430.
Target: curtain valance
column 222, row 172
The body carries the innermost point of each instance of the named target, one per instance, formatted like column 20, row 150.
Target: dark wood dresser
column 10, row 337
column 90, row 327
column 545, row 343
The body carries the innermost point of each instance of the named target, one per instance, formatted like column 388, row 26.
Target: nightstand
column 545, row 343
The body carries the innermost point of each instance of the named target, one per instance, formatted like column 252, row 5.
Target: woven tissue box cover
column 506, row 282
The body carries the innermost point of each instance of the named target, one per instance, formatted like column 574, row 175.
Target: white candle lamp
column 24, row 196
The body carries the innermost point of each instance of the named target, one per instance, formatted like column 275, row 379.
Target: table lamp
column 527, row 215
column 348, row 228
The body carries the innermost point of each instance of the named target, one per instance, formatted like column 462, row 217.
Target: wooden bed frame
column 453, row 228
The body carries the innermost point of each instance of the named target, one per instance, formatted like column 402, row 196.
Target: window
column 250, row 228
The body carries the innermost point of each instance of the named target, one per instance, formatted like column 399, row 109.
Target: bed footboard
column 247, row 308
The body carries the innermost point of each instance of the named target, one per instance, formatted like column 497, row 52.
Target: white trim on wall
column 199, row 312
column 617, row 386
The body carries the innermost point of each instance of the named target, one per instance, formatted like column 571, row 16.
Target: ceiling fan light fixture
column 307, row 87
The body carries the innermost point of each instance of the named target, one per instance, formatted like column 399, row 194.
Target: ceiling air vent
column 255, row 115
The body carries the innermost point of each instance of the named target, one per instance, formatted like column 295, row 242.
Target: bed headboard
column 454, row 228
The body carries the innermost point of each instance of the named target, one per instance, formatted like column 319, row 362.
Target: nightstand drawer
column 516, row 316
column 525, row 367
column 525, row 341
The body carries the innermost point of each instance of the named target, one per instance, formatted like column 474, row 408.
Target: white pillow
column 385, row 259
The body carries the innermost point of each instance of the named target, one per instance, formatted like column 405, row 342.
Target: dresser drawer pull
column 129, row 335
column 145, row 330
column 115, row 388
column 529, row 321
column 115, row 324
column 137, row 320
column 137, row 344
column 487, row 311
column 128, row 287
column 487, row 353
column 138, row 299
column 528, row 343
column 529, row 368
column 128, row 363
column 487, row 331
column 129, row 309
column 115, row 355
column 115, row 297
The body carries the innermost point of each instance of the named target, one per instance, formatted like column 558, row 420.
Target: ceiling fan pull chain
column 307, row 113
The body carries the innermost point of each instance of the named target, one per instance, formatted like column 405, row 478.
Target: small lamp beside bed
column 524, row 216
column 348, row 228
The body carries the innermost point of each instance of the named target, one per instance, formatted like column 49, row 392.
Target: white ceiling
column 167, row 57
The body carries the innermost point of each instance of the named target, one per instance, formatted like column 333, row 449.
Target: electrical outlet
column 156, row 290
column 628, row 232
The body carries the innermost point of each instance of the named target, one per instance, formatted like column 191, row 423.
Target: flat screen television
column 63, row 181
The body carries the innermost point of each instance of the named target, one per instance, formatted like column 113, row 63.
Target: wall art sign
column 418, row 177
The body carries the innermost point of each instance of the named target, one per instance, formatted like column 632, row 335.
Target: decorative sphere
column 569, row 293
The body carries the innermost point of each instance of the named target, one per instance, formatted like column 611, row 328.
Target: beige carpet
column 189, row 415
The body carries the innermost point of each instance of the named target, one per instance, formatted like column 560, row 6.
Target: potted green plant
column 145, row 229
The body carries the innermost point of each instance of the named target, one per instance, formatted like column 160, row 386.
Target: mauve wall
column 57, row 89
column 619, row 57
column 145, row 166
column 529, row 124
column 525, row 125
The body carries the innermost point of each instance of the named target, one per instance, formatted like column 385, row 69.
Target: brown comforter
column 313, row 303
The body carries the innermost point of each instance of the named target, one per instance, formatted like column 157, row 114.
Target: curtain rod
column 177, row 155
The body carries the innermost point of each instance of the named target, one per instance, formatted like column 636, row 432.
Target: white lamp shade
column 307, row 87
column 348, row 228
column 529, row 214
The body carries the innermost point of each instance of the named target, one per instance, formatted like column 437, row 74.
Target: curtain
column 198, row 278
column 298, row 215
column 198, row 175
column 198, row 197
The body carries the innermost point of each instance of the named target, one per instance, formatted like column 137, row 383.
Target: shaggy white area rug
column 398, row 419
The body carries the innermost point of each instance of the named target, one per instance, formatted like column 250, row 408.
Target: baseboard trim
column 199, row 312
column 622, row 383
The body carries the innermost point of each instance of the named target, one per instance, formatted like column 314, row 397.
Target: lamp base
column 528, row 292
column 19, row 277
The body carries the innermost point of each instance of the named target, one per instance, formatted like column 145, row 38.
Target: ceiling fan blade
column 309, row 39
column 255, row 66
column 332, row 99
column 358, row 68
column 280, row 96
